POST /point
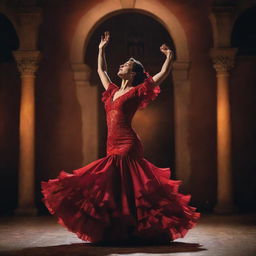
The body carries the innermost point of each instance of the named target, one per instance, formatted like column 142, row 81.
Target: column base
column 224, row 209
column 26, row 211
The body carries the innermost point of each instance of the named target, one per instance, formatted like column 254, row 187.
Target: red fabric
column 122, row 195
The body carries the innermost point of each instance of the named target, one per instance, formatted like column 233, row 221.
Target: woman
column 122, row 197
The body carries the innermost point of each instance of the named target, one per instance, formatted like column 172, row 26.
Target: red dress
column 121, row 196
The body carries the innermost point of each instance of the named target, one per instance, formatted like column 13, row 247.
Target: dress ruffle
column 116, row 198
column 147, row 91
column 106, row 94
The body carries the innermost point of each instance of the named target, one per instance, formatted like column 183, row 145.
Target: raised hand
column 104, row 40
column 166, row 68
column 166, row 50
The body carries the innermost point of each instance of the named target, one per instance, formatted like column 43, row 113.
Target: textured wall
column 58, row 121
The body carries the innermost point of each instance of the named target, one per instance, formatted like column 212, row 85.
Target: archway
column 87, row 94
column 9, row 112
column 243, row 35
column 131, row 36
column 243, row 105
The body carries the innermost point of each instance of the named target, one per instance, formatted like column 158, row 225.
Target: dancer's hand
column 104, row 40
column 160, row 76
column 166, row 50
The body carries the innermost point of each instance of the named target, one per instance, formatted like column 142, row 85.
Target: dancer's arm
column 102, row 64
column 166, row 68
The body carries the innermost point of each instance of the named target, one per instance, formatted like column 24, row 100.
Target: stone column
column 87, row 96
column 181, row 117
column 27, row 62
column 223, row 61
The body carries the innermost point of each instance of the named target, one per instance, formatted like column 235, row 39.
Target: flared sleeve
column 147, row 91
column 106, row 94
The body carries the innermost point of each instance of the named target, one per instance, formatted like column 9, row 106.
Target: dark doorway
column 243, row 109
column 140, row 36
column 9, row 112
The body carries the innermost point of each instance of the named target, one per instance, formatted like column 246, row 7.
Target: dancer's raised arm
column 102, row 65
column 166, row 68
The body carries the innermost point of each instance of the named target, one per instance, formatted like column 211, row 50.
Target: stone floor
column 213, row 236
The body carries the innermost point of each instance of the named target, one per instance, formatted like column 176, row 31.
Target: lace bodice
column 120, row 112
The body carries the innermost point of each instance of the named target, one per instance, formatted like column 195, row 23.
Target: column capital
column 223, row 59
column 27, row 61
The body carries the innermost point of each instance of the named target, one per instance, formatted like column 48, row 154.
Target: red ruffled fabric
column 122, row 196
column 147, row 91
column 117, row 198
column 106, row 94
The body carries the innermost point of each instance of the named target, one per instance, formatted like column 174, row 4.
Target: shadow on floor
column 82, row 249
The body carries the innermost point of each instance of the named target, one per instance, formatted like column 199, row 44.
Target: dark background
column 58, row 117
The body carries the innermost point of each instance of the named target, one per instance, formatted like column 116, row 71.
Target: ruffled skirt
column 118, row 198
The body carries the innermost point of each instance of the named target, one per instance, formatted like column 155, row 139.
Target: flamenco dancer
column 122, row 197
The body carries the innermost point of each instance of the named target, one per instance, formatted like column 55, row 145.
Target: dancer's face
column 125, row 70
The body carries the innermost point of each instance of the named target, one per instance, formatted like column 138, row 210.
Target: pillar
column 27, row 58
column 180, row 73
column 27, row 62
column 223, row 61
column 87, row 96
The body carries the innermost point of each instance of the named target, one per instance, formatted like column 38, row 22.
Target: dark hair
column 138, row 68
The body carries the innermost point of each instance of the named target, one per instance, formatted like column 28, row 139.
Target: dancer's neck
column 126, row 84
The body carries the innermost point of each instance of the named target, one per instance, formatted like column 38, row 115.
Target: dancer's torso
column 122, row 139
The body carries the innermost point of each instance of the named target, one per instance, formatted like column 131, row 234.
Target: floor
column 214, row 235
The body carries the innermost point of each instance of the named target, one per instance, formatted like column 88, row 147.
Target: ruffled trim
column 147, row 91
column 81, row 211
column 170, row 214
column 84, row 202
column 107, row 93
column 166, row 211
column 91, row 204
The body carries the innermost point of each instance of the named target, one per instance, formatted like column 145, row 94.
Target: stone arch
column 8, row 37
column 89, row 21
column 243, row 106
column 218, row 23
column 241, row 9
column 10, row 89
column 243, row 35
column 97, row 14
column 10, row 15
